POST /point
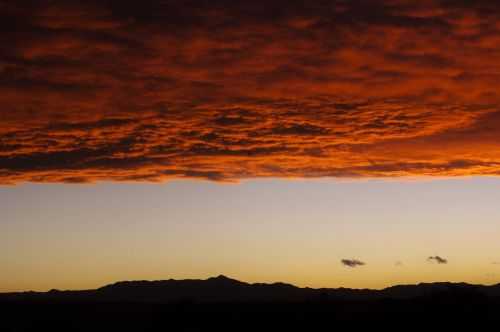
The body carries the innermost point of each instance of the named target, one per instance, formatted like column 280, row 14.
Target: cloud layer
column 225, row 90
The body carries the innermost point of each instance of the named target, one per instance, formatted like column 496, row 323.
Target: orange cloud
column 223, row 90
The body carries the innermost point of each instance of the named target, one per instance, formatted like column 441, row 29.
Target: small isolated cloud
column 437, row 259
column 496, row 263
column 398, row 264
column 352, row 262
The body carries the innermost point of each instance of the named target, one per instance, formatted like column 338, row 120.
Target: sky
column 350, row 137
column 85, row 236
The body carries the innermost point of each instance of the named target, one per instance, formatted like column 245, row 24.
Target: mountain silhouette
column 225, row 289
column 225, row 304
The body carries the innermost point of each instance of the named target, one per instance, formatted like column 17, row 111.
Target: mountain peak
column 223, row 279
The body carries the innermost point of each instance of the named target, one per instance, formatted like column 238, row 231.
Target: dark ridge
column 225, row 289
column 225, row 304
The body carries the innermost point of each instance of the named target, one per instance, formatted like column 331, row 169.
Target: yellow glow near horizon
column 79, row 237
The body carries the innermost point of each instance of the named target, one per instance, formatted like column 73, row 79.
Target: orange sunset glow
column 169, row 160
column 226, row 91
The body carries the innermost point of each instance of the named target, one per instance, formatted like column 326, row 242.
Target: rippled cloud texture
column 227, row 90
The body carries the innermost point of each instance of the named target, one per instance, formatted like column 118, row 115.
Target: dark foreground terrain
column 223, row 304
